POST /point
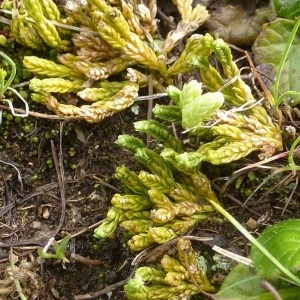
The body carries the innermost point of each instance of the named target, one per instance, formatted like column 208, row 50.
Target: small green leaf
column 283, row 242
column 2, row 40
column 200, row 109
column 59, row 248
column 43, row 254
column 190, row 92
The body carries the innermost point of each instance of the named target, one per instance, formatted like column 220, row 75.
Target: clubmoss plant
column 98, row 40
column 159, row 204
column 173, row 278
column 236, row 122
column 172, row 195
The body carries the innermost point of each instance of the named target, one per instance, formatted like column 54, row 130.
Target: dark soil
column 32, row 207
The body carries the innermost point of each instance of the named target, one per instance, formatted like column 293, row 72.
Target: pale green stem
column 6, row 86
column 12, row 75
column 1, row 83
column 282, row 61
column 290, row 93
column 247, row 234
column 15, row 278
column 291, row 159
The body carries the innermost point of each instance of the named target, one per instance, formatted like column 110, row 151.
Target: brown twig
column 105, row 184
column 102, row 292
column 85, row 260
column 37, row 114
column 58, row 163
column 40, row 191
column 261, row 83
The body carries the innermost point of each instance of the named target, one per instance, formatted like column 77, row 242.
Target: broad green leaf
column 200, row 109
column 243, row 284
column 288, row 9
column 269, row 47
column 282, row 240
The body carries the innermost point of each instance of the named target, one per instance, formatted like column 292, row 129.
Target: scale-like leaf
column 282, row 240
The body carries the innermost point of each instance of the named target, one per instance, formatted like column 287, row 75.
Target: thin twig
column 19, row 174
column 269, row 159
column 5, row 20
column 84, row 230
column 58, row 163
column 86, row 261
column 36, row 114
column 261, row 83
column 291, row 196
column 105, row 184
column 241, row 259
column 150, row 97
column 102, row 292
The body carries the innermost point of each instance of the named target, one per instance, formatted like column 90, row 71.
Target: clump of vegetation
column 243, row 283
column 158, row 205
column 165, row 203
column 59, row 249
column 181, row 277
column 108, row 38
column 105, row 63
column 21, row 277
